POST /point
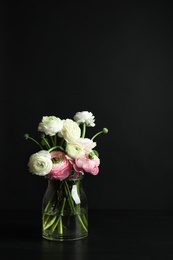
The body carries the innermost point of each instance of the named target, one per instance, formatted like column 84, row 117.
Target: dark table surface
column 113, row 234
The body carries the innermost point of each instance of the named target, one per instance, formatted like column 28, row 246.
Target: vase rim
column 73, row 176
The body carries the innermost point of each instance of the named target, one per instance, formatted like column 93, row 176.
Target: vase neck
column 71, row 178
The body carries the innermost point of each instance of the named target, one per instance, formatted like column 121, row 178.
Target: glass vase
column 65, row 210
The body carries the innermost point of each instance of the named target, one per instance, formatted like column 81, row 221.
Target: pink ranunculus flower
column 88, row 165
column 61, row 166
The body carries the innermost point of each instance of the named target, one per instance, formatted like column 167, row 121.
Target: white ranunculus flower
column 87, row 144
column 85, row 117
column 74, row 150
column 40, row 163
column 70, row 131
column 50, row 125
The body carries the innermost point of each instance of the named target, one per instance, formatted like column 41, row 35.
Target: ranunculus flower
column 88, row 165
column 74, row 150
column 50, row 125
column 70, row 131
column 87, row 144
column 85, row 117
column 40, row 163
column 61, row 166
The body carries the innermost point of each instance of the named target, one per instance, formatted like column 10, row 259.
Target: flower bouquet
column 64, row 156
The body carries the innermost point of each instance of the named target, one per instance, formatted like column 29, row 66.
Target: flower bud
column 26, row 136
column 91, row 155
column 105, row 130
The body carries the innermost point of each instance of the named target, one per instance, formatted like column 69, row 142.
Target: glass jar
column 65, row 210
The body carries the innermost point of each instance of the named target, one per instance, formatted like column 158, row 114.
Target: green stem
column 83, row 130
column 47, row 219
column 62, row 211
column 67, row 190
column 63, row 205
column 49, row 222
column 82, row 223
column 71, row 203
column 59, row 221
column 104, row 131
column 96, row 135
column 60, row 227
column 32, row 139
column 46, row 142
column 62, row 141
column 54, row 226
column 85, row 220
column 55, row 147
column 53, row 139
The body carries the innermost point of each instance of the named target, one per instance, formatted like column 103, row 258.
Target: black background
column 113, row 58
